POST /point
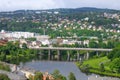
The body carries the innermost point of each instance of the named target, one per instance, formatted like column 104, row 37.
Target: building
column 42, row 37
column 20, row 34
column 8, row 34
column 3, row 42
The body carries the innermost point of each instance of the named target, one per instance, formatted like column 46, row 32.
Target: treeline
column 12, row 53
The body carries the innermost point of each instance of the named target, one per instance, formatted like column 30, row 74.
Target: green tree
column 102, row 68
column 38, row 76
column 93, row 44
column 57, row 76
column 115, row 53
column 24, row 46
column 71, row 76
column 4, row 77
column 110, row 44
column 2, row 56
column 31, row 39
column 47, row 78
column 115, row 65
column 85, row 68
column 4, row 67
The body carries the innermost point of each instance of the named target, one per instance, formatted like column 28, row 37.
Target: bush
column 4, row 77
column 4, row 67
column 85, row 68
column 71, row 76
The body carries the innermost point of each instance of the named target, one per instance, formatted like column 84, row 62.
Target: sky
column 11, row 5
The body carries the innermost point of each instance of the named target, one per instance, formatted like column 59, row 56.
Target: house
column 3, row 42
column 42, row 37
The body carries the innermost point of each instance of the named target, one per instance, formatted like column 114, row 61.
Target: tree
column 47, row 78
column 115, row 53
column 38, row 76
column 93, row 44
column 24, row 46
column 2, row 56
column 110, row 44
column 31, row 77
column 31, row 39
column 102, row 68
column 115, row 65
column 4, row 77
column 85, row 68
column 71, row 76
column 57, row 76
column 56, row 72
column 4, row 67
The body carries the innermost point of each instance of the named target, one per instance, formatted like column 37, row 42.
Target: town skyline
column 8, row 5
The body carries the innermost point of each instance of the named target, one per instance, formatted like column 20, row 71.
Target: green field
column 94, row 66
column 95, row 63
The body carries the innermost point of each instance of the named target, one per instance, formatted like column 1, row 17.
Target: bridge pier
column 107, row 53
column 49, row 55
column 40, row 55
column 68, row 56
column 59, row 55
column 78, row 56
column 82, row 57
column 87, row 56
column 97, row 53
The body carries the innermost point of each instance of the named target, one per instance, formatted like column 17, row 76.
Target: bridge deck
column 65, row 48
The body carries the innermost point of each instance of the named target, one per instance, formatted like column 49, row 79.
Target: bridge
column 66, row 48
column 58, row 49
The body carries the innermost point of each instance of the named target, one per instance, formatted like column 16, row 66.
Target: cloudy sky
column 10, row 5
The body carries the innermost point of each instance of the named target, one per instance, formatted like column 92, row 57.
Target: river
column 65, row 68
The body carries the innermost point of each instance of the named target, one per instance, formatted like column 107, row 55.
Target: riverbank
column 98, row 66
column 12, row 71
column 97, row 77
column 13, row 76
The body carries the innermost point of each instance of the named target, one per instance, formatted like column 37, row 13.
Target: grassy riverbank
column 98, row 66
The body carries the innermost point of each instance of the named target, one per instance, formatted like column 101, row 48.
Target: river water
column 65, row 68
